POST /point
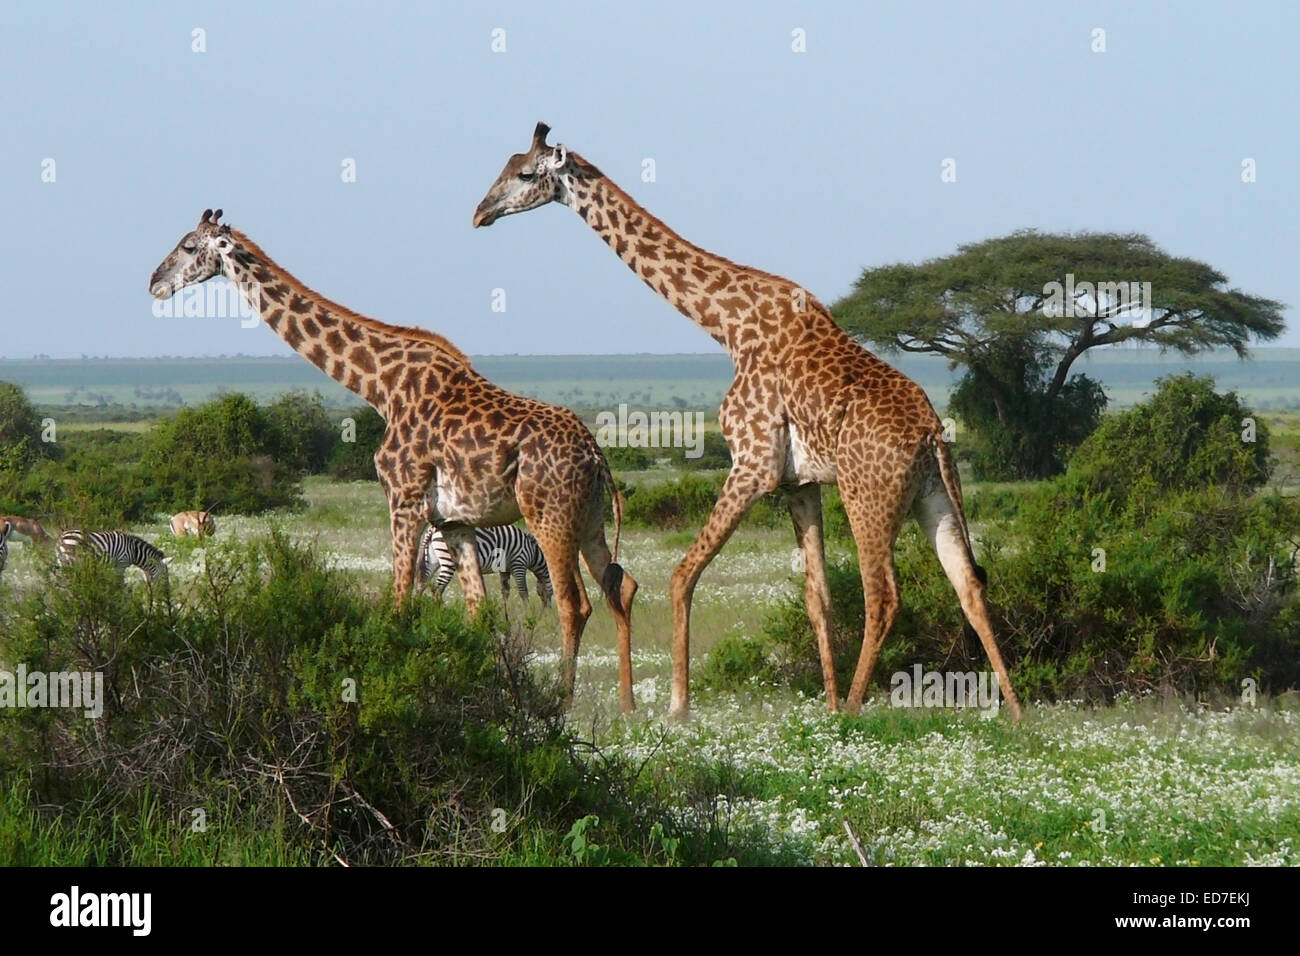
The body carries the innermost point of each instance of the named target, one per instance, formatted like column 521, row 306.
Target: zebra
column 4, row 543
column 505, row 550
column 122, row 549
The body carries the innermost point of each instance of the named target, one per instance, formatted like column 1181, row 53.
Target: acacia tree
column 1017, row 311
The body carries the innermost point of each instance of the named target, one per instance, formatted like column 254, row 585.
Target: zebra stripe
column 505, row 550
column 4, row 544
column 122, row 549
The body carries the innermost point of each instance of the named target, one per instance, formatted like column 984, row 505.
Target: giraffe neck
column 724, row 299
column 368, row 357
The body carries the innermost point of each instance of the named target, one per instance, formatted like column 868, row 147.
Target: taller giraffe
column 809, row 406
column 458, row 451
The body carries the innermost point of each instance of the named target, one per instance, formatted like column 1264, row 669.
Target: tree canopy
column 1017, row 311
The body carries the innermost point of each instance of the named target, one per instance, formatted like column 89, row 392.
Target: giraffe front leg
column 406, row 521
column 408, row 511
column 743, row 487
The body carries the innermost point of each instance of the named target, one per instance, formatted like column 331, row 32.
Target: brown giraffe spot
column 291, row 333
column 362, row 359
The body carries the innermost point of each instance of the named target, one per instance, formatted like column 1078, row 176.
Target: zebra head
column 199, row 256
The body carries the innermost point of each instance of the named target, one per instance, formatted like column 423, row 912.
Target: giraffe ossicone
column 808, row 406
column 458, row 451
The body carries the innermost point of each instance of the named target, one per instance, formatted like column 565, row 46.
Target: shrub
column 688, row 502
column 300, row 434
column 623, row 458
column 355, row 460
column 216, row 453
column 715, row 453
column 1186, row 436
column 238, row 700
column 20, row 430
column 93, row 482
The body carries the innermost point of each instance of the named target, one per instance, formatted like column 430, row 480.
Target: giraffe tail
column 616, row 500
column 612, row 580
column 951, row 484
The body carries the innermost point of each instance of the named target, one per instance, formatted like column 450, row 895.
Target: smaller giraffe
column 458, row 451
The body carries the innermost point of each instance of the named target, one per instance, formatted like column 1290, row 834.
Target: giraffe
column 808, row 406
column 457, row 451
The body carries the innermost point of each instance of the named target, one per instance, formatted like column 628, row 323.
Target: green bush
column 20, row 430
column 90, row 481
column 623, row 458
column 311, row 725
column 218, row 453
column 1186, row 436
column 300, row 434
column 355, row 460
column 714, row 453
column 688, row 502
column 735, row 662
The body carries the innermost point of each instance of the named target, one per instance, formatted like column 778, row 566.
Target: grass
column 49, row 836
column 1143, row 782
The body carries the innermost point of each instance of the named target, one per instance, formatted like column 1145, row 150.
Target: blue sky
column 812, row 165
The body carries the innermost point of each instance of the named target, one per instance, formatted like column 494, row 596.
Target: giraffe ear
column 559, row 156
column 539, row 136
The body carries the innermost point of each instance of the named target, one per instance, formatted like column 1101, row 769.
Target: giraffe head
column 198, row 256
column 529, row 180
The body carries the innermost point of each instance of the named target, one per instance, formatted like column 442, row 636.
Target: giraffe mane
column 439, row 342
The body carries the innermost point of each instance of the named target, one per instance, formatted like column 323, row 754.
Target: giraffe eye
column 190, row 247
column 528, row 174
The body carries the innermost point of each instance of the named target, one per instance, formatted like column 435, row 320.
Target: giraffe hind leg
column 875, row 509
column 937, row 517
column 619, row 589
column 571, row 601
column 806, row 511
